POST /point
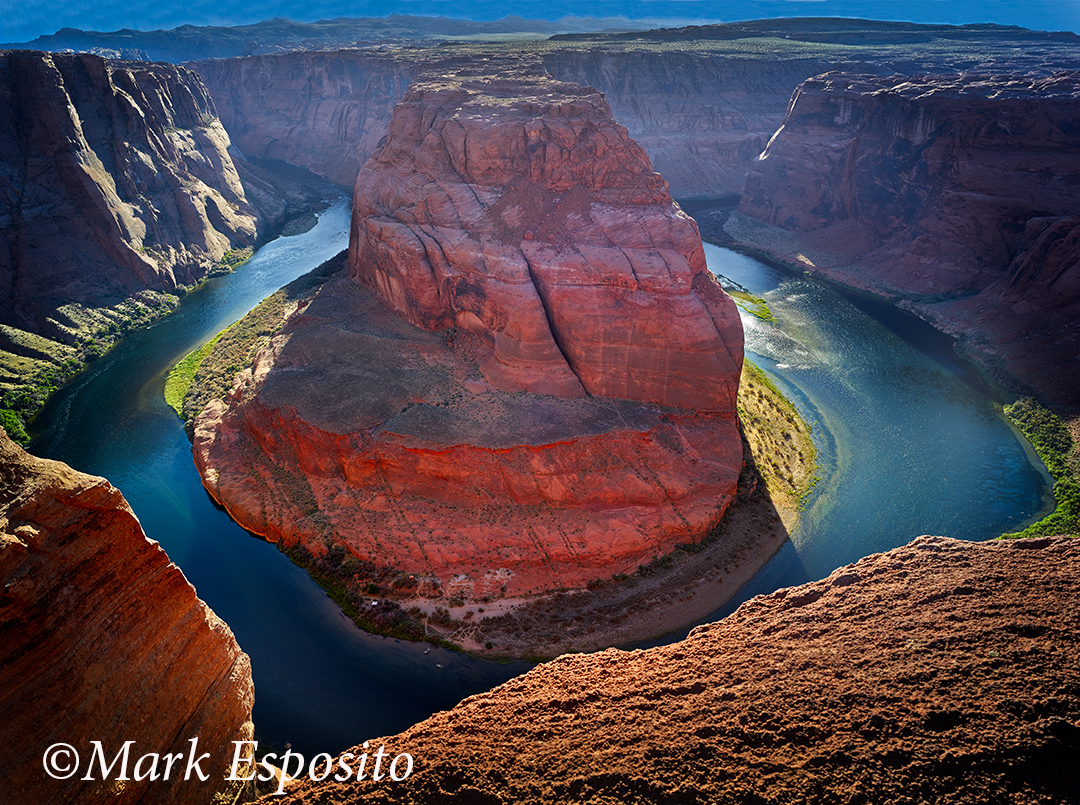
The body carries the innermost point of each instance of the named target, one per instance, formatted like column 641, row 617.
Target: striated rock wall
column 942, row 671
column 518, row 210
column 325, row 111
column 702, row 118
column 102, row 638
column 530, row 382
column 955, row 192
column 115, row 177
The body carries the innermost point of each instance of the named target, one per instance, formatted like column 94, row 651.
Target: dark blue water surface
column 320, row 682
column 909, row 446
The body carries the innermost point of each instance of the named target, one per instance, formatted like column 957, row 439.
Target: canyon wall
column 956, row 194
column 527, row 379
column 324, row 111
column 116, row 178
column 942, row 671
column 703, row 118
column 702, row 101
column 102, row 638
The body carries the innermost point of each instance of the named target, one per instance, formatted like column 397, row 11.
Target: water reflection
column 910, row 442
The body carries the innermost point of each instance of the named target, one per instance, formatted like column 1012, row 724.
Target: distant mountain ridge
column 190, row 42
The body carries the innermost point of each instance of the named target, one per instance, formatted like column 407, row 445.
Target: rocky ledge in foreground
column 529, row 379
column 103, row 639
column 943, row 671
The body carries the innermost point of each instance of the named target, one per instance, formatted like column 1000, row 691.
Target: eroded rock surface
column 942, row 671
column 116, row 178
column 324, row 111
column 518, row 210
column 102, row 638
column 529, row 382
column 957, row 193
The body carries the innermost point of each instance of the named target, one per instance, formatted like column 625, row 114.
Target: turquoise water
column 910, row 445
column 910, row 440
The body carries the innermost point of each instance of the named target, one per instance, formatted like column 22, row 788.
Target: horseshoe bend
column 524, row 378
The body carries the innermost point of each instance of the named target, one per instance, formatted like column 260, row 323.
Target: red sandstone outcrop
column 942, row 671
column 530, row 384
column 957, row 193
column 518, row 210
column 102, row 638
column 115, row 177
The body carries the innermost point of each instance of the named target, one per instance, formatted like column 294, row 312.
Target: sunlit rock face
column 518, row 210
column 943, row 670
column 103, row 639
column 115, row 177
column 525, row 378
column 957, row 193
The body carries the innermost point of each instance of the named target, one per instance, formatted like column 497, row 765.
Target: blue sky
column 22, row 20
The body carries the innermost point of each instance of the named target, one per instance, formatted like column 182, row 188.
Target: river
column 910, row 440
column 909, row 446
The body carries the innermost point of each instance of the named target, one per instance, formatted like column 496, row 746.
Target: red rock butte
column 528, row 379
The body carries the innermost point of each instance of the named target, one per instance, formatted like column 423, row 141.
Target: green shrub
column 1050, row 437
column 13, row 424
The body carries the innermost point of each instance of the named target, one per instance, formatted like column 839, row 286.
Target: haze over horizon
column 22, row 21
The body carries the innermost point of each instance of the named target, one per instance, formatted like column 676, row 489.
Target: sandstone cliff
column 102, row 638
column 540, row 227
column 116, row 178
column 702, row 117
column 530, row 384
column 702, row 101
column 117, row 188
column 942, row 671
column 325, row 111
column 955, row 193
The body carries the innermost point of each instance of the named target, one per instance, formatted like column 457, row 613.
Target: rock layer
column 942, row 671
column 116, row 178
column 530, row 385
column 957, row 193
column 102, row 638
column 518, row 210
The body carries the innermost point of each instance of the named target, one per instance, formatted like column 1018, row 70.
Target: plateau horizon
column 23, row 22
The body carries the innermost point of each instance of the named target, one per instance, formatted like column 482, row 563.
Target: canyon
column 526, row 381
column 954, row 196
column 462, row 402
column 705, row 102
column 102, row 638
column 119, row 189
column 943, row 670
